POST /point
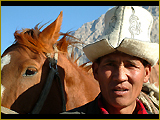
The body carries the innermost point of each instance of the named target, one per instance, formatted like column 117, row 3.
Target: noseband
column 53, row 73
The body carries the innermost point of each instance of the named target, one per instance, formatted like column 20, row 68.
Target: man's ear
column 95, row 70
column 147, row 73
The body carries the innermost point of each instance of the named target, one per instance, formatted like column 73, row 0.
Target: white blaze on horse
column 25, row 70
column 4, row 61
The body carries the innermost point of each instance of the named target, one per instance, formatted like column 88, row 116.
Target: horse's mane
column 29, row 38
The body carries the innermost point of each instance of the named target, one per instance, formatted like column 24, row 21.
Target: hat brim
column 144, row 50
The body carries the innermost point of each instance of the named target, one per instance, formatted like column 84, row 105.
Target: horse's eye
column 30, row 71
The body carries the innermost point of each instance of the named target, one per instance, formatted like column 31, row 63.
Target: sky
column 17, row 17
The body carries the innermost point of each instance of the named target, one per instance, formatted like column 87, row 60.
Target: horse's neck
column 80, row 87
column 74, row 75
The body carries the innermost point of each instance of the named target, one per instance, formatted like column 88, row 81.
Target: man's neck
column 120, row 110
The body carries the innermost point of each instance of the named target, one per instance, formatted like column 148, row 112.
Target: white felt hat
column 127, row 29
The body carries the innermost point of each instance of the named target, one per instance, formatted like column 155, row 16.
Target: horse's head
column 25, row 70
column 24, row 66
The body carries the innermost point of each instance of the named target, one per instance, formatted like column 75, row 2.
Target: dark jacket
column 89, row 108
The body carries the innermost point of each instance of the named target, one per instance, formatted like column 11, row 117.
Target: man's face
column 121, row 77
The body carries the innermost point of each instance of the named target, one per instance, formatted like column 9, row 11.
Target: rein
column 52, row 74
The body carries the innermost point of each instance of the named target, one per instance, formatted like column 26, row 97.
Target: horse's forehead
column 5, row 60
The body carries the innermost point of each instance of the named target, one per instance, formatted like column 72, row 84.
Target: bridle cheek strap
column 52, row 74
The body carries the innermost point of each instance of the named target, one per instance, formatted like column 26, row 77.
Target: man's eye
column 110, row 64
column 130, row 65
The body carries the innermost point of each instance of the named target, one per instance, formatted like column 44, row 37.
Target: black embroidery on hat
column 135, row 25
column 112, row 24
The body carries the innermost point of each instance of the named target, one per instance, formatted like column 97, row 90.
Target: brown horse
column 25, row 67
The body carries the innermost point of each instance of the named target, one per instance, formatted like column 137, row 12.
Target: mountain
column 91, row 31
column 154, row 10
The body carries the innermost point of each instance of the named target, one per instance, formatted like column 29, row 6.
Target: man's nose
column 120, row 74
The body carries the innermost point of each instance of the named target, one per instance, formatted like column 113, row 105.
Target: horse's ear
column 51, row 33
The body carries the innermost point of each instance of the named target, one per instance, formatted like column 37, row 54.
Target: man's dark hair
column 145, row 63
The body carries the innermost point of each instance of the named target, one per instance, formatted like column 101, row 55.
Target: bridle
column 53, row 73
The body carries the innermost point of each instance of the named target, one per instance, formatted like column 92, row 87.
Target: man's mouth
column 120, row 91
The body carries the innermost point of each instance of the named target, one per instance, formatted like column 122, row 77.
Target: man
column 122, row 62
